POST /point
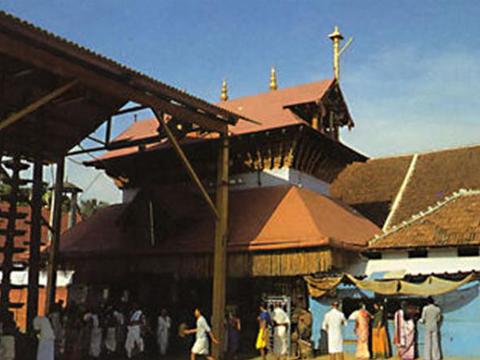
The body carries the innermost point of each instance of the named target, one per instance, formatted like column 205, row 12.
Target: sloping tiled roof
column 269, row 107
column 371, row 187
column 436, row 175
column 266, row 108
column 455, row 221
column 271, row 218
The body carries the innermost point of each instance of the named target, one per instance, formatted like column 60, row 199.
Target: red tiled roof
column 267, row 108
column 452, row 222
column 270, row 218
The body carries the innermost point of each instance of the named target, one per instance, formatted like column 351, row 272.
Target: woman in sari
column 362, row 320
column 380, row 342
column 406, row 346
column 264, row 321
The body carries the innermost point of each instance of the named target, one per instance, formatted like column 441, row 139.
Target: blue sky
column 411, row 76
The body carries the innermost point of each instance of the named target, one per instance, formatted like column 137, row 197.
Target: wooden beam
column 55, row 242
column 185, row 161
column 34, row 245
column 116, row 86
column 220, row 254
column 12, row 118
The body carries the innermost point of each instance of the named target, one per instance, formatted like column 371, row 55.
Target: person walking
column 201, row 331
column 362, row 322
column 264, row 322
column 431, row 317
column 163, row 330
column 134, row 340
column 234, row 327
column 380, row 343
column 281, row 323
column 333, row 322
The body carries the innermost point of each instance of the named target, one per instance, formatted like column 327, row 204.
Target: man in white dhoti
column 333, row 322
column 280, row 332
column 46, row 338
column 134, row 332
column 201, row 331
column 96, row 335
column 163, row 329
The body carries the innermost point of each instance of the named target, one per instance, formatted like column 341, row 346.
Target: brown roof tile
column 280, row 217
column 370, row 187
column 452, row 222
column 436, row 175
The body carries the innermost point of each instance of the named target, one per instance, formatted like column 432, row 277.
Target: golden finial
column 336, row 37
column 273, row 79
column 224, row 94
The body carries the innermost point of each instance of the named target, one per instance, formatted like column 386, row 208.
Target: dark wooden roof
column 34, row 63
column 452, row 222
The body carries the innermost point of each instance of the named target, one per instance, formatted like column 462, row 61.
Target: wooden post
column 35, row 241
column 56, row 208
column 220, row 254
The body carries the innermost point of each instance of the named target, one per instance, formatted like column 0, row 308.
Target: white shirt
column 42, row 324
column 280, row 316
column 202, row 328
column 332, row 323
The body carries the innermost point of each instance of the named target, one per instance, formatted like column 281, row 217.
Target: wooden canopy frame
column 53, row 94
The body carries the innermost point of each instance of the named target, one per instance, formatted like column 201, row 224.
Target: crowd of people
column 372, row 331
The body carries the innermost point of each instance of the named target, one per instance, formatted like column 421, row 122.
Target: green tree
column 90, row 206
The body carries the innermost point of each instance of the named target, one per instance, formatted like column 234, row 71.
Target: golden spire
column 273, row 79
column 336, row 37
column 224, row 93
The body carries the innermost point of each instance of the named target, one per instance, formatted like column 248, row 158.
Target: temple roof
column 260, row 219
column 454, row 221
column 373, row 186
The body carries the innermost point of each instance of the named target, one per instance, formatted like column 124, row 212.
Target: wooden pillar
column 220, row 254
column 56, row 208
column 35, row 241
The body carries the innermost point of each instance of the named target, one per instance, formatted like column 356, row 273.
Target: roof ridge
column 279, row 90
column 433, row 151
column 420, row 215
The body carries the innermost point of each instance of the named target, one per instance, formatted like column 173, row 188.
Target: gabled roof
column 371, row 187
column 454, row 221
column 261, row 219
column 269, row 108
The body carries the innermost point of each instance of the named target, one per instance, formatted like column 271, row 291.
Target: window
column 468, row 251
column 418, row 253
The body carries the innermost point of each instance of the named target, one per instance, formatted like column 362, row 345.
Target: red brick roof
column 455, row 221
column 270, row 218
column 371, row 187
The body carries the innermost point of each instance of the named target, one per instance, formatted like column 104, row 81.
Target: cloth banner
column 432, row 286
column 319, row 287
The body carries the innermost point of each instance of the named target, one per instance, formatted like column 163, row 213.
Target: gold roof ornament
column 224, row 93
column 273, row 79
column 336, row 37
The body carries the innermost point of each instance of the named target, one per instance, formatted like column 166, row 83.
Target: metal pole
column 35, row 241
column 55, row 242
column 220, row 254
